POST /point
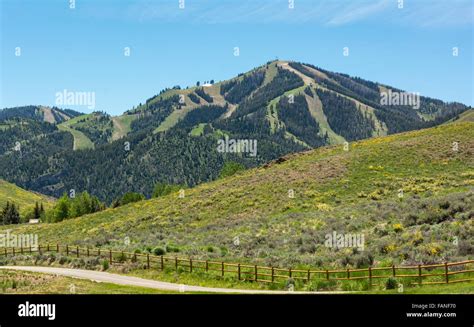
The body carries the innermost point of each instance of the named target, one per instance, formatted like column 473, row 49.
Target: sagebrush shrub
column 159, row 251
column 391, row 283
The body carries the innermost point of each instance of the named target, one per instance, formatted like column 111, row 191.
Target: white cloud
column 331, row 13
column 358, row 11
column 439, row 13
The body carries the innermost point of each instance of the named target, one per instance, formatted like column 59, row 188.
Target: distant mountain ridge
column 39, row 113
column 285, row 106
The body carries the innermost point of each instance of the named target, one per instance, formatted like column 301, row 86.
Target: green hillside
column 81, row 141
column 465, row 116
column 25, row 199
column 97, row 128
column 286, row 106
column 121, row 126
column 410, row 195
column 38, row 113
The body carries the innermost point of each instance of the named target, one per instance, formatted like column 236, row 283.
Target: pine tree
column 14, row 214
column 10, row 214
column 3, row 214
column 37, row 211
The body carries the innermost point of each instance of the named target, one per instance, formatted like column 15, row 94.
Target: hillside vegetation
column 81, row 141
column 284, row 106
column 410, row 195
column 24, row 199
column 38, row 113
column 465, row 116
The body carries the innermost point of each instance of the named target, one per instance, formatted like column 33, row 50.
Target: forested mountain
column 38, row 113
column 172, row 138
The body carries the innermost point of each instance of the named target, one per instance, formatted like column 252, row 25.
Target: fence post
column 98, row 252
column 57, row 247
column 13, row 249
column 327, row 274
column 419, row 274
column 110, row 256
column 289, row 272
column 87, row 250
column 39, row 248
column 273, row 274
column 77, row 249
column 370, row 277
column 348, row 274
column 67, row 250
column 393, row 270
column 222, row 266
column 147, row 261
column 21, row 248
column 309, row 275
column 207, row 265
column 176, row 263
column 238, row 270
column 190, row 265
column 30, row 249
column 256, row 272
column 47, row 249
column 446, row 272
column 162, row 263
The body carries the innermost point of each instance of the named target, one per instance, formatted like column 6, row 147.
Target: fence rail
column 247, row 272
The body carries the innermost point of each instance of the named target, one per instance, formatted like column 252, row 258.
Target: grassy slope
column 198, row 130
column 122, row 126
column 25, row 199
column 467, row 116
column 274, row 228
column 214, row 91
column 316, row 109
column 178, row 114
column 275, row 123
column 48, row 115
column 270, row 73
column 174, row 118
column 81, row 141
column 380, row 128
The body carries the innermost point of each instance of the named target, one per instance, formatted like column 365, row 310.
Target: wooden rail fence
column 261, row 273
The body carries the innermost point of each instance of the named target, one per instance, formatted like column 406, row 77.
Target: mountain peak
column 283, row 107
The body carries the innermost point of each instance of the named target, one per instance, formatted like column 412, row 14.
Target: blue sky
column 82, row 49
